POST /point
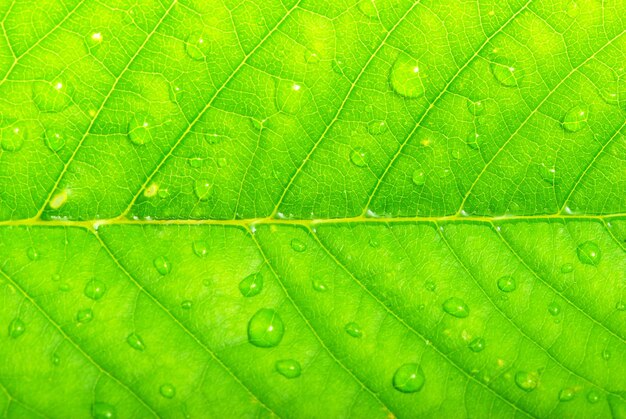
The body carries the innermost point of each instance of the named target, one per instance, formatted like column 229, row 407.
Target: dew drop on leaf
column 139, row 132
column 95, row 289
column 55, row 139
column 418, row 177
column 265, row 328
column 135, row 342
column 195, row 162
column 554, row 309
column 289, row 96
column 407, row 78
column 606, row 354
column 151, row 191
column 58, row 200
column 16, row 328
column 526, row 381
column 575, row 119
column 409, row 378
column 51, row 96
column 566, row 394
column 93, row 41
column 377, row 127
column 311, row 57
column 353, row 329
column 162, row 265
column 506, row 74
column 168, row 391
column 337, row 66
column 593, row 397
column 84, row 315
column 358, row 157
column 507, row 283
column 567, row 268
column 298, row 245
column 456, row 307
column 200, row 248
column 588, row 253
column 197, row 46
column 186, row 305
column 319, row 285
column 202, row 188
column 101, row 410
column 477, row 345
column 476, row 107
column 251, row 285
column 13, row 137
column 289, row 368
column 473, row 140
column 32, row 253
column 430, row 285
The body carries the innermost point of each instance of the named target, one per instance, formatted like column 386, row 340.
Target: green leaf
column 309, row 208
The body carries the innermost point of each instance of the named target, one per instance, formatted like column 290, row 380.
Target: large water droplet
column 506, row 74
column 527, row 381
column 289, row 96
column 58, row 200
column 593, row 397
column 477, row 345
column 409, row 378
column 95, row 289
column 368, row 8
column 353, row 329
column 16, row 328
column 201, row 248
column 507, row 283
column 13, row 137
column 554, row 309
column 418, row 177
column 588, row 253
column 567, row 394
column 358, row 157
column 162, row 265
column 298, row 245
column 168, row 391
column 197, row 45
column 251, row 285
column 101, row 410
column 135, row 342
column 407, row 78
column 289, row 368
column 202, row 188
column 377, row 127
column 265, row 328
column 139, row 130
column 575, row 119
column 55, row 139
column 456, row 307
column 51, row 96
column 84, row 315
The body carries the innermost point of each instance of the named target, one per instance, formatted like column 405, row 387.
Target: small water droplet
column 13, row 137
column 567, row 268
column 620, row 306
column 51, row 96
column 311, row 57
column 506, row 74
column 298, row 245
column 409, row 378
column 195, row 162
column 477, row 345
column 567, row 394
column 407, row 77
column 32, row 253
column 593, row 397
column 251, row 285
column 358, row 157
column 554, row 309
column 93, row 41
column 588, row 253
column 456, row 307
column 135, row 342
column 202, row 188
column 16, row 328
column 319, row 285
column 289, row 368
column 419, row 177
column 377, row 127
column 474, row 140
column 337, row 66
column 606, row 354
column 265, row 328
column 151, row 191
column 368, row 8
column 353, row 329
column 476, row 107
column 139, row 131
column 186, row 305
column 95, row 289
column 56, row 360
column 168, row 391
column 200, row 248
column 162, row 265
column 197, row 45
column 289, row 96
column 430, row 285
column 507, row 283
column 527, row 381
column 58, row 200
column 84, row 316
column 55, row 140
column 575, row 119
column 101, row 410
column 221, row 162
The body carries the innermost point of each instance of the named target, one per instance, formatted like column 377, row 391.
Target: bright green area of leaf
column 313, row 209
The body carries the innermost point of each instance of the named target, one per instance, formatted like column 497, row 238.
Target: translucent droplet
column 430, row 285
column 377, row 127
column 101, row 410
column 593, row 397
column 151, row 191
column 298, row 245
column 93, row 41
column 200, row 248
column 418, row 177
column 319, row 285
column 407, row 78
column 265, row 328
column 135, row 342
column 554, row 309
column 289, row 368
column 358, row 157
column 609, row 95
column 456, row 307
column 567, row 268
column 589, row 253
column 168, row 391
column 84, row 315
column 353, row 329
column 620, row 306
column 251, row 285
column 162, row 265
column 197, row 45
column 606, row 354
column 32, row 253
column 58, row 200
column 289, row 96
column 337, row 66
column 202, row 188
column 477, row 345
column 506, row 74
column 186, row 305
column 55, row 140
column 575, row 119
column 474, row 140
column 95, row 289
column 56, row 360
column 476, row 108
column 311, row 57
column 368, row 8
column 221, row 162
column 567, row 394
column 527, row 381
column 51, row 96
column 16, row 328
column 13, row 137
column 409, row 378
column 139, row 131
column 507, row 284
column 195, row 162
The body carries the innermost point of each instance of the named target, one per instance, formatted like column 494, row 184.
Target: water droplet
column 353, row 330
column 377, row 127
column 430, row 285
column 202, row 188
column 56, row 360
column 567, row 268
column 506, row 74
column 289, row 368
column 575, row 119
column 554, row 309
column 527, row 381
column 606, row 354
column 195, row 162
column 168, row 391
column 162, row 265
column 298, row 245
column 311, row 57
column 101, row 410
column 16, row 328
column 368, row 8
column 337, row 66
column 32, row 253
column 477, row 345
column 566, row 394
column 507, row 283
column 221, row 162
column 476, row 108
column 95, row 289
column 251, row 285
column 319, row 285
column 620, row 306
column 197, row 45
column 84, row 316
column 265, row 328
column 407, row 77
column 358, row 157
column 409, row 378
column 572, row 9
column 58, row 200
column 200, row 248
column 55, row 140
column 93, row 41
column 151, row 191
column 419, row 177
column 588, row 253
column 186, row 305
column 456, row 307
column 139, row 132
column 13, row 137
column 593, row 397
column 474, row 140
column 289, row 96
column 51, row 96
column 135, row 342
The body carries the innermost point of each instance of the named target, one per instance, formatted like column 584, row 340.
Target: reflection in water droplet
column 196, row 45
column 162, row 265
column 55, row 140
column 566, row 394
column 575, row 119
column 593, row 396
column 456, row 307
column 289, row 368
column 251, row 285
column 167, row 390
column 93, row 41
column 298, row 245
column 407, row 77
column 506, row 74
column 409, row 378
column 476, row 108
column 358, row 157
column 221, row 162
column 13, row 137
column 474, row 140
column 353, row 329
column 368, row 8
column 16, row 328
column 430, row 285
column 606, row 354
column 195, row 162
column 527, row 381
column 101, row 410
column 186, row 305
column 554, row 309
column 202, row 189
column 377, row 127
column 58, row 200
column 477, row 345
column 151, row 190
column 289, row 96
column 337, row 66
column 32, row 253
column 95, row 289
column 319, row 285
column 311, row 57
column 84, row 316
column 265, row 328
column 567, row 268
column 51, row 96
column 419, row 177
column 507, row 284
column 589, row 253
column 139, row 132
column 200, row 248
column 135, row 342
column 56, row 360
